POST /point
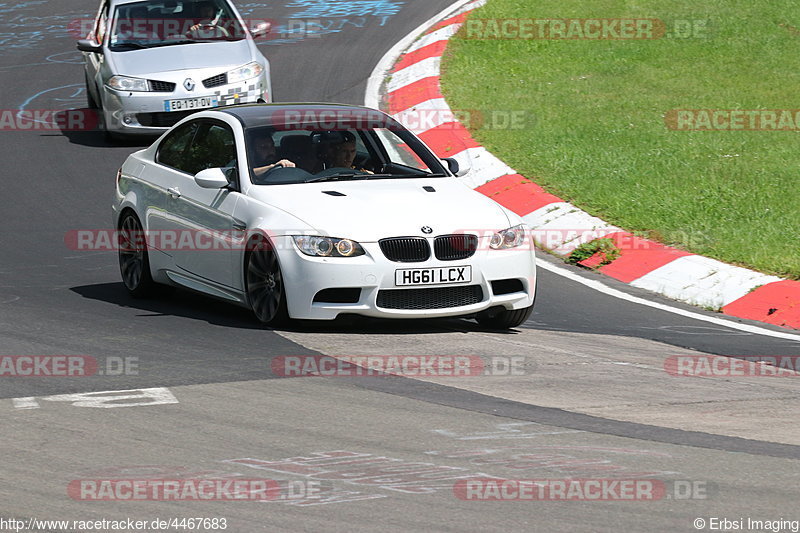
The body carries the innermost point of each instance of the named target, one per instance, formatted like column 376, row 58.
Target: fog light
column 127, row 120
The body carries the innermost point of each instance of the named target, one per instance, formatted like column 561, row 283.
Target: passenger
column 264, row 157
column 134, row 26
column 337, row 149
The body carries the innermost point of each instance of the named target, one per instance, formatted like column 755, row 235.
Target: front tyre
column 266, row 292
column 495, row 318
column 134, row 262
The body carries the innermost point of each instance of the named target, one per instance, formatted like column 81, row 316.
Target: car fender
column 269, row 221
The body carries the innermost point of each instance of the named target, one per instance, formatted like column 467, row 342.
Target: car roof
column 342, row 116
column 123, row 2
column 116, row 3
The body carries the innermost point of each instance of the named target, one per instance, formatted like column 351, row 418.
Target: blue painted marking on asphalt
column 40, row 93
column 14, row 18
column 315, row 18
column 73, row 57
column 346, row 8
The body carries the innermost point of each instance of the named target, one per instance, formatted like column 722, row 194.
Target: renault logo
column 189, row 84
column 427, row 230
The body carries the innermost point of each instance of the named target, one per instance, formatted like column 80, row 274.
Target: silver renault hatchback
column 150, row 63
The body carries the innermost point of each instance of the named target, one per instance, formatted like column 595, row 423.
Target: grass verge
column 600, row 139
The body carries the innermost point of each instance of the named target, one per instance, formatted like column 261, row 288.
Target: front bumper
column 305, row 276
column 144, row 113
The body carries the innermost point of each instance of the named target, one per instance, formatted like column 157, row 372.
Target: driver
column 209, row 23
column 264, row 156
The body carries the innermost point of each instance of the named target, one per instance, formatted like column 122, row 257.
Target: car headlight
column 250, row 70
column 124, row 83
column 508, row 238
column 327, row 246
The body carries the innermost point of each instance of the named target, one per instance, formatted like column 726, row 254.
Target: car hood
column 367, row 211
column 181, row 57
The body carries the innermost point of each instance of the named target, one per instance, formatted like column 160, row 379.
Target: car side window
column 213, row 147
column 173, row 151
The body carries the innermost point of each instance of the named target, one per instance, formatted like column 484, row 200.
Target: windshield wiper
column 182, row 41
column 343, row 176
column 130, row 45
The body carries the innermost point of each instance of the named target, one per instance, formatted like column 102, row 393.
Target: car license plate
column 433, row 276
column 184, row 104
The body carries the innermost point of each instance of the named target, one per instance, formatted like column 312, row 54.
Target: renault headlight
column 124, row 83
column 250, row 70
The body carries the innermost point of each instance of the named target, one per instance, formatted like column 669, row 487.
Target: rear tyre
column 497, row 318
column 134, row 262
column 266, row 292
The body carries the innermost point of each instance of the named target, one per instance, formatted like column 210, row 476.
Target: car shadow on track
column 99, row 139
column 172, row 302
column 186, row 304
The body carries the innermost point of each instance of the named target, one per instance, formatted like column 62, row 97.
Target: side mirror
column 87, row 45
column 455, row 168
column 261, row 29
column 211, row 178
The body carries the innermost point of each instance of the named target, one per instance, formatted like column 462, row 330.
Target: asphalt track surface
column 617, row 416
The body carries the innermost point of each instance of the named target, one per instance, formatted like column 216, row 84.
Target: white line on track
column 600, row 287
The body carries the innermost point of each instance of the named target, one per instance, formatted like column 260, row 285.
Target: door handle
column 174, row 192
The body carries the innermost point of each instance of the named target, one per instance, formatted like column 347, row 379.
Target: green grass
column 600, row 141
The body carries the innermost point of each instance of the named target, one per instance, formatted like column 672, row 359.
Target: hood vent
column 334, row 193
column 429, row 188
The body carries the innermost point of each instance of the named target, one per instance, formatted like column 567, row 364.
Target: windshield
column 150, row 24
column 304, row 155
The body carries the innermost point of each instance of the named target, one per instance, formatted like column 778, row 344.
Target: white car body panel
column 388, row 204
column 211, row 57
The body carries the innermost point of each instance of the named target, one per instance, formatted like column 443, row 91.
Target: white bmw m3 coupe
column 310, row 211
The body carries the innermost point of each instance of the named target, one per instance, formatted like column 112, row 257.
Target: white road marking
column 596, row 285
column 104, row 399
column 25, row 403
